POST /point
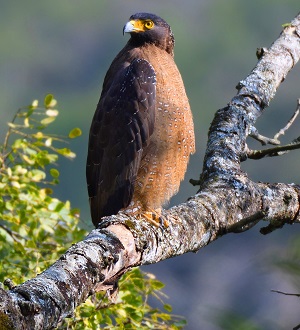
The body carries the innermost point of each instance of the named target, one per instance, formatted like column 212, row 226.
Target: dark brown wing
column 121, row 127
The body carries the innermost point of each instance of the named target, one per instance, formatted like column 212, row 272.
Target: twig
column 279, row 150
column 297, row 327
column 194, row 182
column 290, row 122
column 272, row 152
column 264, row 140
column 246, row 223
column 10, row 129
column 287, row 294
column 13, row 234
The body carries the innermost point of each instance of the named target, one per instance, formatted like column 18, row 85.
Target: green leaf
column 121, row 312
column 164, row 316
column 286, row 25
column 9, row 206
column 66, row 152
column 181, row 323
column 75, row 212
column 59, row 207
column 75, row 133
column 28, row 160
column 52, row 158
column 37, row 175
column 168, row 308
column 54, row 172
column 48, row 99
column 11, row 125
column 157, row 285
column 17, row 143
column 47, row 228
column 48, row 142
column 35, row 104
column 15, row 184
column 19, row 247
column 52, row 112
column 137, row 316
column 47, row 120
column 30, row 111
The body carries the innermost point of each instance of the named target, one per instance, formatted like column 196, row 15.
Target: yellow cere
column 142, row 25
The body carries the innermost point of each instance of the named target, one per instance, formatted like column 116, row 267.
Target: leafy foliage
column 36, row 228
column 130, row 311
column 33, row 223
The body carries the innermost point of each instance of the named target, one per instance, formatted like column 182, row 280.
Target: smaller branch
column 9, row 283
column 194, row 182
column 272, row 152
column 270, row 228
column 5, row 144
column 279, row 150
column 297, row 327
column 246, row 223
column 264, row 140
column 260, row 52
column 13, row 234
column 290, row 122
column 287, row 294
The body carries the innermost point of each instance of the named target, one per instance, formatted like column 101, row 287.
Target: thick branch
column 227, row 201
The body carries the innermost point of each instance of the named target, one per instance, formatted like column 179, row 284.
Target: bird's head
column 149, row 28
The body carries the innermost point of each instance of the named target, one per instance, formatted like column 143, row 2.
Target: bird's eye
column 148, row 25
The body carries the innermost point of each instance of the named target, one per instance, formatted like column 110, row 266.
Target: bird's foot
column 154, row 217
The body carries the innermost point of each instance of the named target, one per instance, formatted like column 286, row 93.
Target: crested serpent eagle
column 142, row 133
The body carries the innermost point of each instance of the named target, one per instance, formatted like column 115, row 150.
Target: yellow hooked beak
column 138, row 25
column 134, row 26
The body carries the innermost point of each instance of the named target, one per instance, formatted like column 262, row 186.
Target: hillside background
column 65, row 47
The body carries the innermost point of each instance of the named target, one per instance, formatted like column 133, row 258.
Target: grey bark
column 228, row 201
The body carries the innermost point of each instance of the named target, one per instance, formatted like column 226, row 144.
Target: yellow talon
column 154, row 217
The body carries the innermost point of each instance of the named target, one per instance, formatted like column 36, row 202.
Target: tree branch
column 227, row 201
column 287, row 294
column 279, row 150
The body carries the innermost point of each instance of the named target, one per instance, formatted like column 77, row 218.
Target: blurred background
column 64, row 47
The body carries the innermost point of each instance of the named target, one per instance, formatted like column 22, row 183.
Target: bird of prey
column 142, row 132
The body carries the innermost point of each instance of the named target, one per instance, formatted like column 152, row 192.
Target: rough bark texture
column 226, row 202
